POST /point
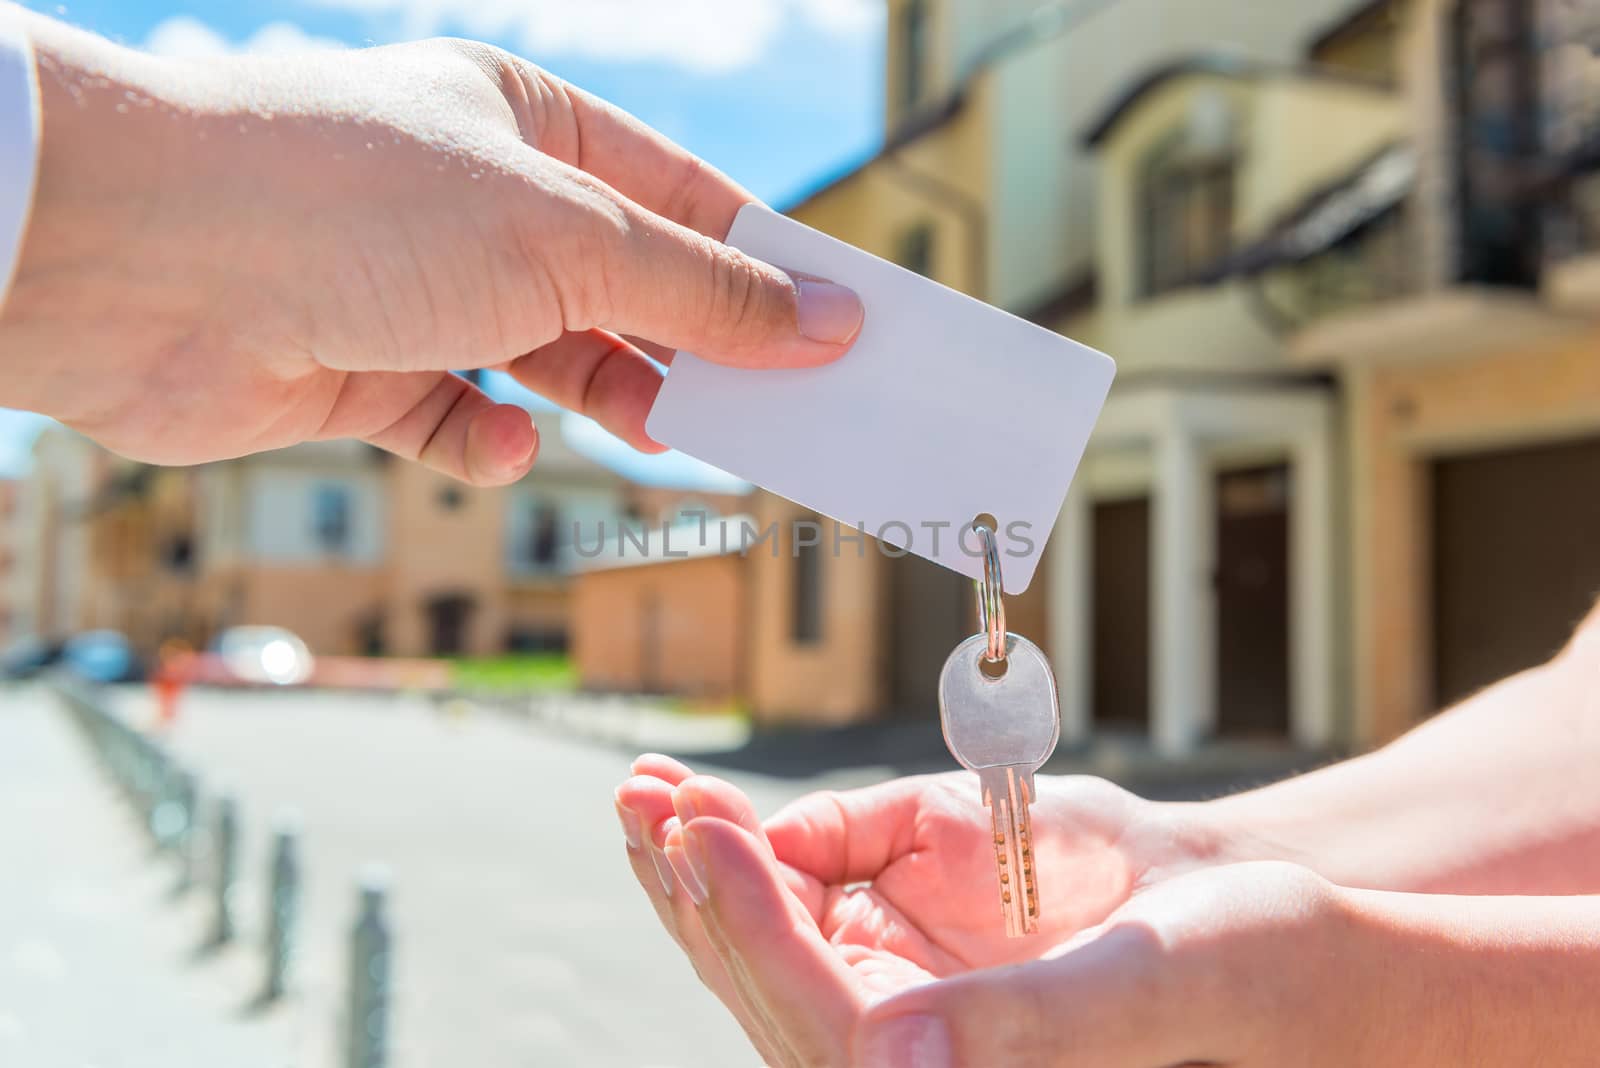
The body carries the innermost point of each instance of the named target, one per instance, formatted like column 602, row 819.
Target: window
column 178, row 554
column 330, row 517
column 1497, row 125
column 806, row 626
column 543, row 545
column 1186, row 202
column 913, row 46
column 914, row 250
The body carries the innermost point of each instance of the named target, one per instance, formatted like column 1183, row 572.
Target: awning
column 1330, row 216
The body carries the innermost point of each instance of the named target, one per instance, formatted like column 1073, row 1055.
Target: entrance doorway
column 1121, row 591
column 1252, row 599
column 448, row 615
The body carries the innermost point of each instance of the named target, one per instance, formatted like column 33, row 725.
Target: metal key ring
column 991, row 608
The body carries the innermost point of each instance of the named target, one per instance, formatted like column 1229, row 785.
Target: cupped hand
column 815, row 927
column 244, row 253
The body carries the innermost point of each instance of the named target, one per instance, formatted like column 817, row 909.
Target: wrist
column 19, row 139
column 1391, row 983
column 102, row 153
column 1478, row 980
column 1247, row 828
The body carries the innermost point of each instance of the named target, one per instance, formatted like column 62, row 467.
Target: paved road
column 521, row 937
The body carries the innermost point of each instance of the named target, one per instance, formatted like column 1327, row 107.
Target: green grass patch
column 691, row 706
column 523, row 673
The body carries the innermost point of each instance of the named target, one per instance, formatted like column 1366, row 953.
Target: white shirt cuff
column 19, row 140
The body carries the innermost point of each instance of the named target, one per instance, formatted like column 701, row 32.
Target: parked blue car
column 102, row 656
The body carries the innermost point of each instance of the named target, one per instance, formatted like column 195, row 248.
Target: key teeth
column 1009, row 801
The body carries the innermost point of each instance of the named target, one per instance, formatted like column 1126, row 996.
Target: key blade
column 1009, row 792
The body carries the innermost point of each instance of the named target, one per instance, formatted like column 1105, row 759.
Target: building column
column 1312, row 551
column 1182, row 595
column 1071, row 614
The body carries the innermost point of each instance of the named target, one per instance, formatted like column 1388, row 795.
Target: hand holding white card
column 944, row 410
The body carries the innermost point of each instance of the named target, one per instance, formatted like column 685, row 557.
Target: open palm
column 887, row 888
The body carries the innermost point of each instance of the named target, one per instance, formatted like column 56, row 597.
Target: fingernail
column 658, row 857
column 915, row 1041
column 533, row 444
column 829, row 313
column 691, row 872
column 686, row 804
column 631, row 828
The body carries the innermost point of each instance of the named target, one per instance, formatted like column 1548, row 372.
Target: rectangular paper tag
column 945, row 409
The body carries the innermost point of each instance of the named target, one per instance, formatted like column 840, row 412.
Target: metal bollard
column 225, row 870
column 151, row 780
column 283, row 907
column 170, row 815
column 367, row 1023
column 192, row 835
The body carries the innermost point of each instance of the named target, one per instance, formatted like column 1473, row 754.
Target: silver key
column 1004, row 729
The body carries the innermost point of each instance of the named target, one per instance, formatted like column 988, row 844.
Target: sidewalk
column 901, row 747
column 97, row 966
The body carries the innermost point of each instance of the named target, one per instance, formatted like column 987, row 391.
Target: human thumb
column 684, row 290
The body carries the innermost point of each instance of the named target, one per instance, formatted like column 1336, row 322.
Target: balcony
column 1571, row 280
column 1459, row 321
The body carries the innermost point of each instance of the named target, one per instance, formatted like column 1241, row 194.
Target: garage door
column 1516, row 559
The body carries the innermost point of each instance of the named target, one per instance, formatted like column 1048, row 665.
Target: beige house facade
column 1350, row 470
column 50, row 593
column 1469, row 361
column 356, row 552
column 993, row 181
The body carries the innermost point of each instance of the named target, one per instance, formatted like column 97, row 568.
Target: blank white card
column 945, row 409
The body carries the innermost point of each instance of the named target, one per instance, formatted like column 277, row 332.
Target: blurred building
column 1348, row 258
column 356, row 552
column 50, row 590
column 986, row 183
column 1450, row 283
column 761, row 604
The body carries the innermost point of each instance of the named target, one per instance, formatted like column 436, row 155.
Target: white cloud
column 843, row 16
column 709, row 36
column 190, row 38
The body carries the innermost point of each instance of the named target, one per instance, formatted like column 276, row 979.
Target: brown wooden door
column 931, row 612
column 1252, row 602
column 1516, row 555
column 448, row 615
column 1122, row 614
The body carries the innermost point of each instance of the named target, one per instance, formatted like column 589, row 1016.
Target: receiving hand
column 847, row 914
column 244, row 253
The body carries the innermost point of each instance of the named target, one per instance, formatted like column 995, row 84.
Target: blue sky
column 781, row 94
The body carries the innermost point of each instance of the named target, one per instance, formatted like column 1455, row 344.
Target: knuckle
column 685, row 195
column 597, row 243
column 738, row 295
column 485, row 57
